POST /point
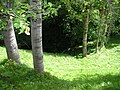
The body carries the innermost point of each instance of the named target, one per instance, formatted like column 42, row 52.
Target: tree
column 9, row 34
column 11, row 43
column 36, row 35
column 85, row 33
column 104, row 18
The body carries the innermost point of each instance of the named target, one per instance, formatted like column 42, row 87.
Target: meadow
column 100, row 71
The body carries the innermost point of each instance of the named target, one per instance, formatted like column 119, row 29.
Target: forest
column 59, row 45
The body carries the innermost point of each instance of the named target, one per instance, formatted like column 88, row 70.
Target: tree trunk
column 97, row 42
column 85, row 31
column 11, row 43
column 104, row 35
column 36, row 36
column 103, row 27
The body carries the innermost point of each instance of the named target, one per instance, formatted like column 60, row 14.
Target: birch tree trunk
column 11, row 43
column 36, row 36
column 85, row 31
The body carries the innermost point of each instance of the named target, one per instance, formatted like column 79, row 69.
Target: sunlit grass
column 100, row 71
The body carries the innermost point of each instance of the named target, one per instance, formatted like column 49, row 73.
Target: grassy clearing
column 100, row 71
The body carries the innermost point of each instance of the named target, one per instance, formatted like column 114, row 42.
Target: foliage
column 15, row 9
column 63, row 22
column 50, row 9
column 70, row 21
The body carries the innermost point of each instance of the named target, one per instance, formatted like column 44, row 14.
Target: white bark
column 11, row 43
column 36, row 36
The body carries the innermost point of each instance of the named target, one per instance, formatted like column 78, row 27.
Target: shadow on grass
column 20, row 77
column 114, row 41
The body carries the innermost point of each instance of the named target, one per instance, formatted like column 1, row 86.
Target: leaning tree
column 6, row 17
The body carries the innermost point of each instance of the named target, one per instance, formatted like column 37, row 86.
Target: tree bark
column 97, row 41
column 85, row 31
column 11, row 43
column 36, row 36
column 103, row 27
column 104, row 35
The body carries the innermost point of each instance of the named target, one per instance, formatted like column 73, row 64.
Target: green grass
column 99, row 71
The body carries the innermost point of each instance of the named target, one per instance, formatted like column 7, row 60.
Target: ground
column 100, row 71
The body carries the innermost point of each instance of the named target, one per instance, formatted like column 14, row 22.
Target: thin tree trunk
column 104, row 35
column 98, row 40
column 103, row 27
column 11, row 43
column 85, row 31
column 109, row 30
column 36, row 37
